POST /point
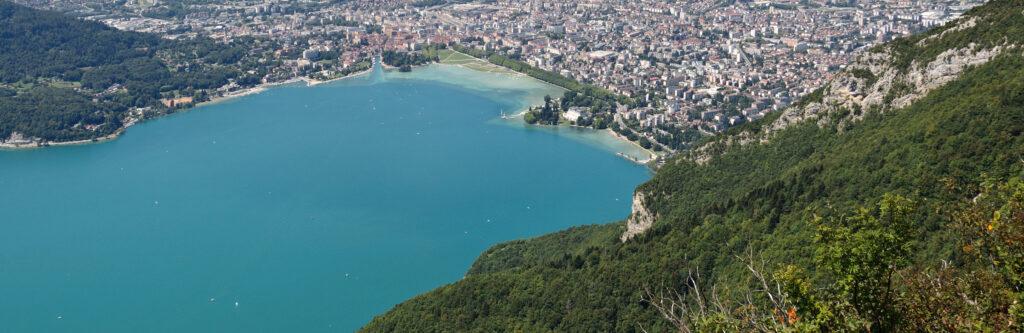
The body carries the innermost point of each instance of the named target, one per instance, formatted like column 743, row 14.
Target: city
column 694, row 68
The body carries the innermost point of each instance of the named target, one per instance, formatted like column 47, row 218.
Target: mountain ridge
column 773, row 190
column 920, row 64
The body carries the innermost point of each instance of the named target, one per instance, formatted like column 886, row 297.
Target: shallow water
column 296, row 209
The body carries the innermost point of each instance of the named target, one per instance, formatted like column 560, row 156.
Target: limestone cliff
column 885, row 78
column 640, row 219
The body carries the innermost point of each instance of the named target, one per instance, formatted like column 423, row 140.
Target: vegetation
column 546, row 114
column 451, row 57
column 864, row 74
column 599, row 104
column 39, row 104
column 73, row 79
column 815, row 96
column 404, row 60
column 1004, row 15
column 360, row 66
column 906, row 221
column 537, row 73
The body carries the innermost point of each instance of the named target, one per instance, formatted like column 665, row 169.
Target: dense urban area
column 661, row 73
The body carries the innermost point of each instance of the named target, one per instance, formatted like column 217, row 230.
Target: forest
column 74, row 79
column 909, row 220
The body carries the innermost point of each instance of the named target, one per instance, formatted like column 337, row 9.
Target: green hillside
column 853, row 220
column 64, row 79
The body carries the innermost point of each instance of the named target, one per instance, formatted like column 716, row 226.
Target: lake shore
column 32, row 144
column 605, row 133
column 481, row 65
column 29, row 144
column 269, row 187
column 611, row 141
column 651, row 154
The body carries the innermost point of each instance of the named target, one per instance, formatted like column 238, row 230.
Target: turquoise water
column 314, row 208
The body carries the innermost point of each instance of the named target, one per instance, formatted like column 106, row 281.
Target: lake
column 308, row 209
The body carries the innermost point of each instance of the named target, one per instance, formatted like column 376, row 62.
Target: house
column 574, row 114
column 736, row 120
column 708, row 115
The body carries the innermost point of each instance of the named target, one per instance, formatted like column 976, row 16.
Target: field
column 451, row 57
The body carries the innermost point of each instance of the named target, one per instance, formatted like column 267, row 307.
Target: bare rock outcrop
column 640, row 220
column 874, row 82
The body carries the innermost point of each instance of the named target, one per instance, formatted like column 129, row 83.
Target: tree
column 644, row 142
column 994, row 223
column 860, row 255
column 530, row 117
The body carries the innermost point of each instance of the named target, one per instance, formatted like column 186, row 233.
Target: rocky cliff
column 888, row 77
column 883, row 79
column 640, row 219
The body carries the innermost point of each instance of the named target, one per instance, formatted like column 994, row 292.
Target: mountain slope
column 762, row 187
column 65, row 79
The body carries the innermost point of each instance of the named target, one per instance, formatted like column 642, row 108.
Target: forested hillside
column 844, row 213
column 67, row 79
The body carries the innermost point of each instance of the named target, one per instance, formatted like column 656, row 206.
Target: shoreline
column 310, row 82
column 222, row 98
column 504, row 71
column 511, row 73
column 35, row 145
column 651, row 154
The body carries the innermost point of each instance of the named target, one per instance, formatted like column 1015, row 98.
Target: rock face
column 873, row 82
column 887, row 78
column 18, row 140
column 640, row 219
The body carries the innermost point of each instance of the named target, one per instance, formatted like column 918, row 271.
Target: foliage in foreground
column 872, row 285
